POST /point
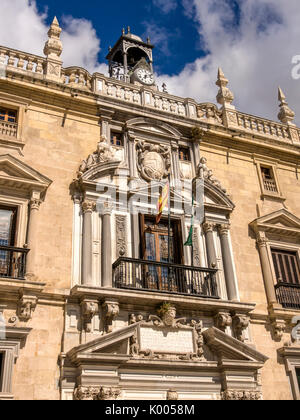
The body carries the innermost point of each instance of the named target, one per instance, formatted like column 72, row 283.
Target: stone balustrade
column 18, row 60
column 77, row 77
column 263, row 126
column 146, row 97
column 8, row 129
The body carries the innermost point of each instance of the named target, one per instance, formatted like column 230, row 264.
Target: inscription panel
column 164, row 340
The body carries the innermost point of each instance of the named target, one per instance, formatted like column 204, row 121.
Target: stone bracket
column 89, row 308
column 111, row 310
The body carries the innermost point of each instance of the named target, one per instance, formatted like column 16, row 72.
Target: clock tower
column 131, row 60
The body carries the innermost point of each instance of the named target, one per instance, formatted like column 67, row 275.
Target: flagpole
column 169, row 220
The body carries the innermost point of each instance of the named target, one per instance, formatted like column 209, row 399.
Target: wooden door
column 155, row 248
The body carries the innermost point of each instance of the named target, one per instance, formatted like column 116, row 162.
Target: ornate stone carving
column 208, row 227
column 26, row 307
column 223, row 320
column 172, row 395
column 86, row 393
column 134, row 345
column 167, row 317
column 89, row 309
column 236, row 395
column 240, row 323
column 225, row 96
column 224, row 229
column 53, row 47
column 104, row 153
column 200, row 339
column 95, row 393
column 167, row 322
column 88, row 206
column 196, row 253
column 286, row 115
column 278, row 326
column 133, row 319
column 108, row 393
column 154, row 161
column 198, row 133
column 35, row 204
column 121, row 235
column 209, row 113
column 111, row 311
column 206, row 174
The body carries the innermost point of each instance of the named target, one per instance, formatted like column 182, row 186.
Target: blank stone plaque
column 164, row 340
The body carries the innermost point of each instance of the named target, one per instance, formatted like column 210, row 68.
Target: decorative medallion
column 154, row 161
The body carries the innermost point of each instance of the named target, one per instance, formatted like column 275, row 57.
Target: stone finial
column 225, row 97
column 53, row 47
column 286, row 115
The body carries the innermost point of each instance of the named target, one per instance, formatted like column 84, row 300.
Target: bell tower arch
column 131, row 59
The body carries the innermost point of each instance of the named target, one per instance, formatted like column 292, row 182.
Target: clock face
column 145, row 76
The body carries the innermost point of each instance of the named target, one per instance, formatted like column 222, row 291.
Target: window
column 286, row 266
column 1, row 369
column 268, row 178
column 8, row 261
column 298, row 377
column 116, row 139
column 8, row 115
column 184, row 154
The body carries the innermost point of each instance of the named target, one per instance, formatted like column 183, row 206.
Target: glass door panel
column 7, row 238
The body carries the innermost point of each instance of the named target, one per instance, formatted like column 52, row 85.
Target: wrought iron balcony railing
column 288, row 295
column 13, row 262
column 144, row 275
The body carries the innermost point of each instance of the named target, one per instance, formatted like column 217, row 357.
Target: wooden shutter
column 286, row 266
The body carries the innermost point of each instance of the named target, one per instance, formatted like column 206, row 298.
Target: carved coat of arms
column 154, row 161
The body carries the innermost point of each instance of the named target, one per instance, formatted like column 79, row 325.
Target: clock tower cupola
column 131, row 60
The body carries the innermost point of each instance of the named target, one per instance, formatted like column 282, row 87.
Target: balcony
column 288, row 295
column 8, row 129
column 151, row 276
column 13, row 262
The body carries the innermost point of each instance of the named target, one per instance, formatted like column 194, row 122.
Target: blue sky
column 253, row 41
column 166, row 23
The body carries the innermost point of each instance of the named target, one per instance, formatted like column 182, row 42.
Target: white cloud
column 24, row 28
column 255, row 53
column 166, row 6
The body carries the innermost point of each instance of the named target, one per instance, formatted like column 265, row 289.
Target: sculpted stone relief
column 121, row 235
column 154, row 161
column 103, row 154
column 188, row 336
column 206, row 174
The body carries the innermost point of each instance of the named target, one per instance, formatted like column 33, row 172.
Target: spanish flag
column 162, row 201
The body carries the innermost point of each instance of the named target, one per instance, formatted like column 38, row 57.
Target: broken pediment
column 279, row 222
column 17, row 174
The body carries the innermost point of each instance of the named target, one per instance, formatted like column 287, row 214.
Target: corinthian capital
column 35, row 204
column 88, row 206
column 208, row 227
column 261, row 239
column 224, row 229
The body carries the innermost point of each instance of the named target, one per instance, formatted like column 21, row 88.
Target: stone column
column 125, row 66
column 266, row 268
column 232, row 292
column 87, row 242
column 32, row 236
column 208, row 228
column 176, row 168
column 106, row 266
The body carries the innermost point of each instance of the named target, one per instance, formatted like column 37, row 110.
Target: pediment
column 214, row 196
column 153, row 127
column 118, row 344
column 280, row 221
column 15, row 173
column 229, row 348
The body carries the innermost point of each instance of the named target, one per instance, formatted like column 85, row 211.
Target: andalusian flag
column 189, row 241
column 163, row 201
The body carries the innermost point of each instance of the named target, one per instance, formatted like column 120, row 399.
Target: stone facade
column 71, row 330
